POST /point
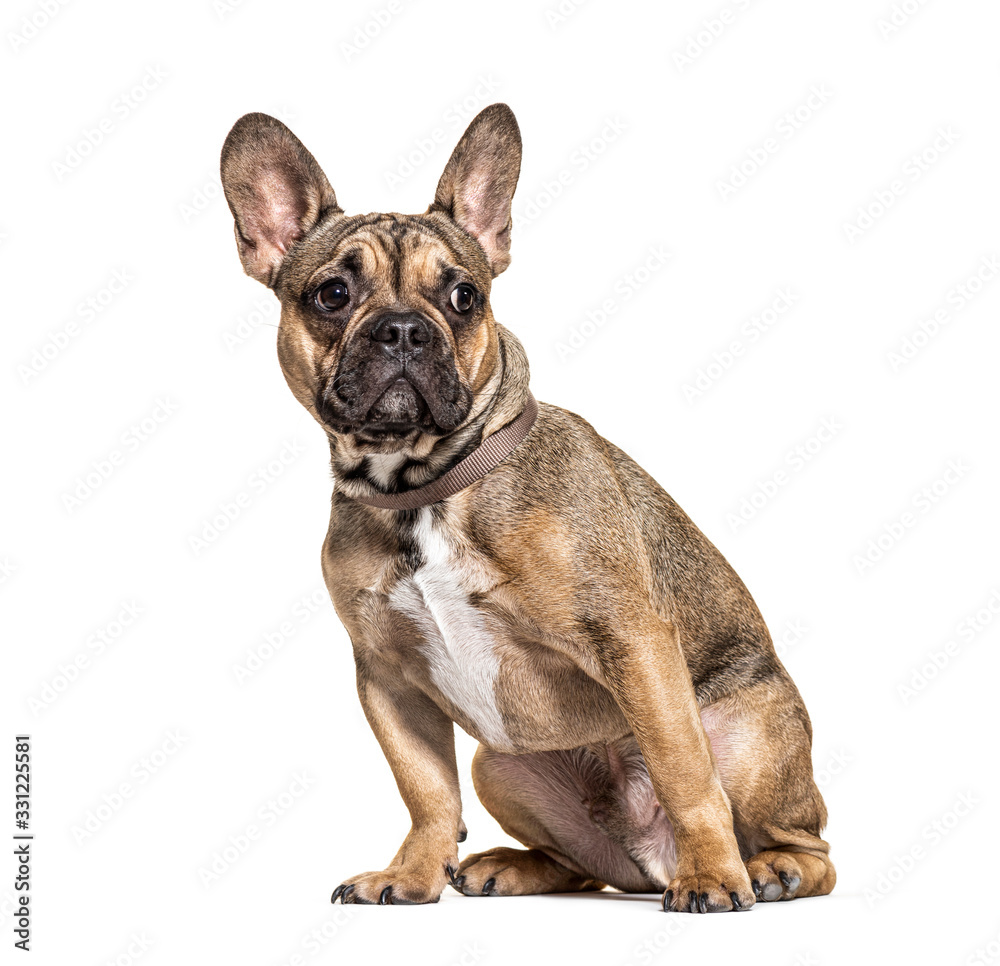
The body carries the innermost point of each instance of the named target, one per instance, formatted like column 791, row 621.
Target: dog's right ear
column 275, row 189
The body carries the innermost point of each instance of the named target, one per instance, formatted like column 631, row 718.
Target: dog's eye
column 332, row 295
column 462, row 298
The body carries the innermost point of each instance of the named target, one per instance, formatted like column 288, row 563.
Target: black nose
column 401, row 333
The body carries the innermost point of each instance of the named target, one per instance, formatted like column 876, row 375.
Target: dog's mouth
column 399, row 411
column 397, row 408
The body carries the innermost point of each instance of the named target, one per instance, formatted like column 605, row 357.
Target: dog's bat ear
column 275, row 189
column 478, row 183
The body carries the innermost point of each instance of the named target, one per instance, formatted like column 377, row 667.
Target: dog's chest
column 459, row 645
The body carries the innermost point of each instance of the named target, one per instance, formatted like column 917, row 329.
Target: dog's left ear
column 478, row 183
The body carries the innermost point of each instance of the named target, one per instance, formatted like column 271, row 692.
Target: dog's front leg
column 418, row 741
column 649, row 677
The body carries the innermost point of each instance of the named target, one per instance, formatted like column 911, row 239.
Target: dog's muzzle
column 395, row 376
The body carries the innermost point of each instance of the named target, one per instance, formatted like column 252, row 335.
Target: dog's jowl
column 500, row 566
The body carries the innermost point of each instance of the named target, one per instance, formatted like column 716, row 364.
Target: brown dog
column 636, row 728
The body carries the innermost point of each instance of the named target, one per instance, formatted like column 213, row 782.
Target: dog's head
column 386, row 332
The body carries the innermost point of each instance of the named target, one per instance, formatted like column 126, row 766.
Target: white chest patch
column 459, row 646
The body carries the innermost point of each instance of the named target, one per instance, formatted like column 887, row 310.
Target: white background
column 627, row 147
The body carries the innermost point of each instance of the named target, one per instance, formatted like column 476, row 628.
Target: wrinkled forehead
column 399, row 252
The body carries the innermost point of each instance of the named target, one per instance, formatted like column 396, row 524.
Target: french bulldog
column 500, row 566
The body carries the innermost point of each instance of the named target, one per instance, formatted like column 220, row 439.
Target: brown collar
column 485, row 457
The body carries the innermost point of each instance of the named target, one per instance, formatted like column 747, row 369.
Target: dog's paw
column 392, row 887
column 774, row 875
column 709, row 892
column 516, row 872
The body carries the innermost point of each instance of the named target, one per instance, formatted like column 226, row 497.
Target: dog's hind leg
column 568, row 808
column 761, row 739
